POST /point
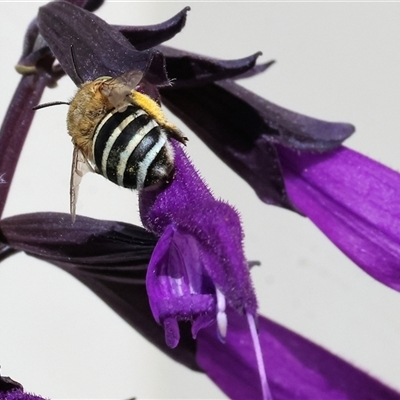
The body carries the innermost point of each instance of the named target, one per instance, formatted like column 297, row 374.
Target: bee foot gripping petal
column 154, row 110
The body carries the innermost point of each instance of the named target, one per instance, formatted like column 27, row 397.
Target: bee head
column 86, row 110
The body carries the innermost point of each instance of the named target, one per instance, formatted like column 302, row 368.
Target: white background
column 336, row 61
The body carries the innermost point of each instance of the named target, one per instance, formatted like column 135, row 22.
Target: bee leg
column 155, row 111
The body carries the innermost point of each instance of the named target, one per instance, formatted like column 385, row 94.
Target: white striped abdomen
column 131, row 149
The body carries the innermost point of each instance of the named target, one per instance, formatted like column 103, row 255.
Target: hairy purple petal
column 19, row 395
column 355, row 201
column 99, row 49
column 110, row 258
column 296, row 368
column 145, row 37
column 185, row 215
column 243, row 128
column 187, row 69
column 177, row 284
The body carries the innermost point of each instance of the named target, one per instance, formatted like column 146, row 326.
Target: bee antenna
column 53, row 103
column 74, row 63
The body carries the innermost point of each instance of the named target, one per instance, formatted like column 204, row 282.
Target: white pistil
column 222, row 321
column 260, row 362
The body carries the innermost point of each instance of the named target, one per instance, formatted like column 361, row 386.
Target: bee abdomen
column 131, row 149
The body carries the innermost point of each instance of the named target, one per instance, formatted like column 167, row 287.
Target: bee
column 119, row 133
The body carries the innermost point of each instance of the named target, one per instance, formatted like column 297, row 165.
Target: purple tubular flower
column 243, row 129
column 351, row 198
column 198, row 261
column 110, row 258
column 197, row 271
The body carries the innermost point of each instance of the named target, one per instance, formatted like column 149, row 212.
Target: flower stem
column 16, row 125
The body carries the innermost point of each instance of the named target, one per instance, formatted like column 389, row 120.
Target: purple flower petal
column 99, row 49
column 110, row 258
column 242, row 129
column 296, row 368
column 355, row 201
column 145, row 37
column 187, row 69
column 177, row 285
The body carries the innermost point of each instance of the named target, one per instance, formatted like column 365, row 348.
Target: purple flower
column 192, row 262
column 111, row 259
column 198, row 267
column 350, row 197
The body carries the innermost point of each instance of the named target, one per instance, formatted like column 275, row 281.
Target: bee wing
column 130, row 79
column 117, row 90
column 80, row 166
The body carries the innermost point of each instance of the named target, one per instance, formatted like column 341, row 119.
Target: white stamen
column 222, row 321
column 260, row 362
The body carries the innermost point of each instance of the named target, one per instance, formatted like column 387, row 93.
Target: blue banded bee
column 119, row 133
